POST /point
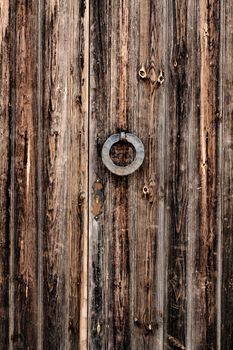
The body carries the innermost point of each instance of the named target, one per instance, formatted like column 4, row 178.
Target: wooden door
column 90, row 259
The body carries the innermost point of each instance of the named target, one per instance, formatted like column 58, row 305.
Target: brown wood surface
column 88, row 259
column 5, row 166
column 226, row 179
column 44, row 162
column 65, row 173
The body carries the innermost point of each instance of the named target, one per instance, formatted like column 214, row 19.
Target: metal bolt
column 98, row 328
column 142, row 72
column 145, row 190
column 82, row 197
column 160, row 79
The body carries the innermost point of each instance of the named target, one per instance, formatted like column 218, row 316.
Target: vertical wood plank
column 77, row 220
column 193, row 112
column 148, row 240
column 206, row 261
column 227, row 175
column 24, row 185
column 109, row 311
column 178, row 69
column 55, row 186
column 119, row 217
column 100, row 29
column 40, row 147
column 65, row 173
column 5, row 166
column 126, row 286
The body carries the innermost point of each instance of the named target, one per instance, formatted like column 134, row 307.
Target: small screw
column 142, row 72
column 160, row 79
column 145, row 190
column 98, row 328
column 82, row 197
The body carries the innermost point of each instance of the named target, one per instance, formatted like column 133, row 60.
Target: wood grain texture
column 44, row 174
column 77, row 220
column 206, row 262
column 177, row 123
column 23, row 175
column 226, row 223
column 55, row 248
column 109, row 299
column 192, row 147
column 5, row 165
column 125, row 239
column 90, row 260
column 65, row 173
column 179, row 215
column 148, row 240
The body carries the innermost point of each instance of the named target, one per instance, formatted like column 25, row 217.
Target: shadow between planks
column 88, row 260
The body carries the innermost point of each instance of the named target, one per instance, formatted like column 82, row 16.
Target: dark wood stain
column 177, row 184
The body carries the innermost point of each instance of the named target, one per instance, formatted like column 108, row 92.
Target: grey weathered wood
column 192, row 180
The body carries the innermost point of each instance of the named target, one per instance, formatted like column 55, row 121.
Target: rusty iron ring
column 130, row 168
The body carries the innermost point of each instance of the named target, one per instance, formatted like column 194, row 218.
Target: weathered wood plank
column 226, row 118
column 100, row 39
column 23, row 175
column 65, row 173
column 55, row 177
column 206, row 248
column 5, row 165
column 193, row 112
column 177, row 71
column 77, row 220
column 109, row 232
column 116, row 228
column 160, row 240
column 148, row 183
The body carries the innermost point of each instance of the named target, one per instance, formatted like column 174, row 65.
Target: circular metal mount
column 130, row 168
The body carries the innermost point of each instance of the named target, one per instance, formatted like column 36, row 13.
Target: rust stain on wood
column 98, row 199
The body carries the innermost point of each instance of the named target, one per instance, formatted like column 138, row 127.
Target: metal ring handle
column 130, row 168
